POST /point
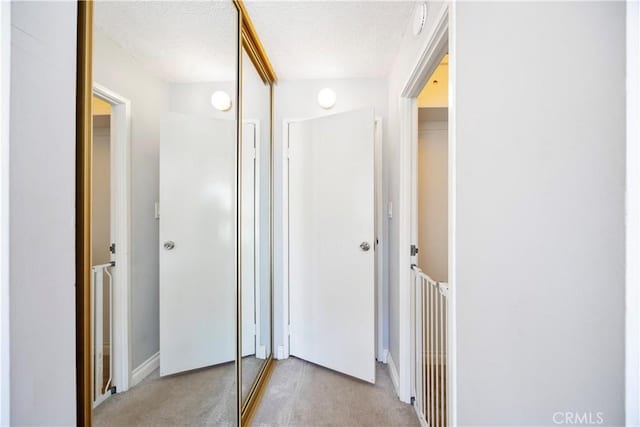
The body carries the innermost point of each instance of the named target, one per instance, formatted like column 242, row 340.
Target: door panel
column 197, row 213
column 331, row 212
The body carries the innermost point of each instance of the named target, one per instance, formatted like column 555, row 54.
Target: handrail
column 443, row 287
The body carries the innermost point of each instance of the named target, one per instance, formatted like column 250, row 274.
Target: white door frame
column 440, row 41
column 283, row 351
column 121, row 231
column 632, row 314
column 260, row 350
column 382, row 294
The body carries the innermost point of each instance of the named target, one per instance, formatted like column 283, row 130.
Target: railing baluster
column 427, row 383
column 420, row 359
column 419, row 345
column 431, row 339
column 441, row 357
column 437, row 355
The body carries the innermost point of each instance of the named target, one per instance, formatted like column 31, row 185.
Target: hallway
column 205, row 188
column 303, row 394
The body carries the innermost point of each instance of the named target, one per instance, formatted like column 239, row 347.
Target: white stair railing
column 430, row 345
column 101, row 387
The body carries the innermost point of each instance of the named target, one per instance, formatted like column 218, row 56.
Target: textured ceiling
column 330, row 39
column 177, row 41
column 195, row 41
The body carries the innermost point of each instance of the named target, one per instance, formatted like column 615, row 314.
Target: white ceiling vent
column 419, row 18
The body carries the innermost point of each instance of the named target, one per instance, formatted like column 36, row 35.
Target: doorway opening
column 427, row 229
column 431, row 210
column 110, row 244
column 101, row 252
column 430, row 225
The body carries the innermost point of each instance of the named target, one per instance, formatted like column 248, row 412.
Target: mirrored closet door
column 174, row 236
column 164, row 213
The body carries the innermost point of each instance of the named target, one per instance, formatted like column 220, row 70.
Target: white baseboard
column 423, row 421
column 280, row 354
column 393, row 371
column 145, row 369
column 261, row 352
column 385, row 356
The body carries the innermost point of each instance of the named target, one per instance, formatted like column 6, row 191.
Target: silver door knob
column 168, row 245
column 365, row 246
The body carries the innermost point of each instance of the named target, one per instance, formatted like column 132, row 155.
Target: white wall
column 540, row 201
column 116, row 70
column 42, row 241
column 539, row 101
column 632, row 347
column 298, row 100
column 5, row 84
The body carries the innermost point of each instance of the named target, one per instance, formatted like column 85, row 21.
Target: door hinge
column 112, row 248
column 414, row 250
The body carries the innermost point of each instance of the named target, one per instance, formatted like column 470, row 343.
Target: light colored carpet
column 298, row 394
column 250, row 367
column 303, row 394
column 204, row 397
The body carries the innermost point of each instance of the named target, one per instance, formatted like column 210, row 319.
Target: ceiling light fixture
column 326, row 98
column 221, row 100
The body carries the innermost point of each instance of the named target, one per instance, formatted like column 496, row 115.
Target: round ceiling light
column 419, row 18
column 326, row 98
column 221, row 100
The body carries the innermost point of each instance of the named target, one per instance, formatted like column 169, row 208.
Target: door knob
column 168, row 245
column 365, row 246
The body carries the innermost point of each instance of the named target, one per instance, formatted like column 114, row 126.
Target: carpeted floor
column 298, row 394
column 250, row 367
column 204, row 397
column 303, row 394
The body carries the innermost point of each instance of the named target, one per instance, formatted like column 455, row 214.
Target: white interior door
column 331, row 219
column 197, row 215
column 248, row 239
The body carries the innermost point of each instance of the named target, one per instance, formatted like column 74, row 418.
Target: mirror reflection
column 255, row 212
column 164, row 213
